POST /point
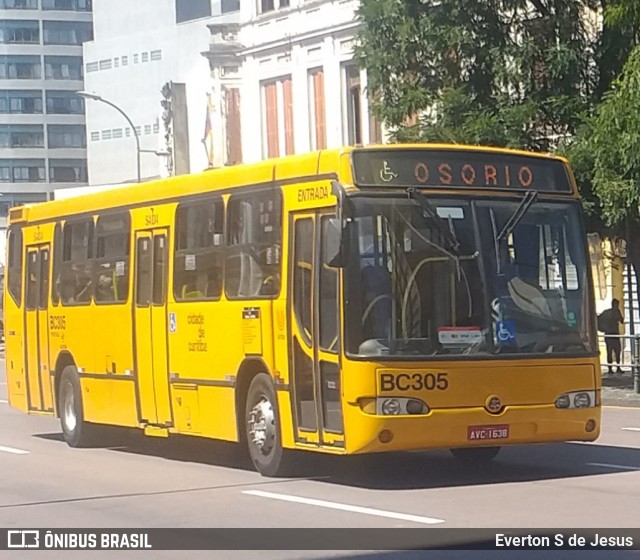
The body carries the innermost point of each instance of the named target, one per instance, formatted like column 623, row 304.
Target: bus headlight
column 582, row 400
column 414, row 406
column 578, row 399
column 390, row 407
column 399, row 406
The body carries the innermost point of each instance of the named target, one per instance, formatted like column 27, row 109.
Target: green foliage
column 502, row 72
column 614, row 144
column 516, row 73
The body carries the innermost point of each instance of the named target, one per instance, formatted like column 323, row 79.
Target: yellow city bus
column 355, row 300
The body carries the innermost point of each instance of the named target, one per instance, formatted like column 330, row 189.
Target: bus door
column 36, row 340
column 150, row 327
column 313, row 314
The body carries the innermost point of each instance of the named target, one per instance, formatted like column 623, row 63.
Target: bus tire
column 76, row 432
column 475, row 455
column 262, row 427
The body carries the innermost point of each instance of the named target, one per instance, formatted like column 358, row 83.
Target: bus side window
column 14, row 279
column 254, row 237
column 75, row 268
column 197, row 273
column 111, row 265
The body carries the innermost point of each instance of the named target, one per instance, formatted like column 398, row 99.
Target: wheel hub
column 69, row 412
column 262, row 426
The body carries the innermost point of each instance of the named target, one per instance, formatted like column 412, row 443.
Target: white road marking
column 632, row 429
column 13, row 450
column 345, row 507
column 2, row 401
column 3, row 383
column 609, row 466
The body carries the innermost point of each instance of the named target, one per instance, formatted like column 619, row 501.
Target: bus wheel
column 475, row 455
column 75, row 430
column 263, row 433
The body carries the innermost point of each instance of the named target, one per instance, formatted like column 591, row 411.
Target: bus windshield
column 410, row 294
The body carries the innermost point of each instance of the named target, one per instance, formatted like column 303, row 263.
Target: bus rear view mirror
column 332, row 242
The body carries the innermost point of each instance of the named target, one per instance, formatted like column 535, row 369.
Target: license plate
column 479, row 433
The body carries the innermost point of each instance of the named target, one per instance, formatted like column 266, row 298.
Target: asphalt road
column 139, row 482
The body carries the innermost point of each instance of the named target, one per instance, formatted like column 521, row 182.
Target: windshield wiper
column 447, row 232
column 526, row 202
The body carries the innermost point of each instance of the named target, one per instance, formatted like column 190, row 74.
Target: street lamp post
column 96, row 97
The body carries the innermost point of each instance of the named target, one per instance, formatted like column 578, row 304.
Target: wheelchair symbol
column 505, row 331
column 386, row 174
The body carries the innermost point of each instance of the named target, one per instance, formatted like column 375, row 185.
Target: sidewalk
column 617, row 389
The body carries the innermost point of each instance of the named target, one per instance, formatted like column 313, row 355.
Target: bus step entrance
column 156, row 431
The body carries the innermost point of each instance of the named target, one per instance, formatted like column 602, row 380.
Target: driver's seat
column 376, row 315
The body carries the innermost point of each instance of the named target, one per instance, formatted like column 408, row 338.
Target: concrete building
column 285, row 80
column 280, row 79
column 42, row 130
column 139, row 47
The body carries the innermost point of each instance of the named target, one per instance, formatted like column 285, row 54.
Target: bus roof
column 220, row 179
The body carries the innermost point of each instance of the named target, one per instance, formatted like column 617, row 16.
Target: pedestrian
column 608, row 322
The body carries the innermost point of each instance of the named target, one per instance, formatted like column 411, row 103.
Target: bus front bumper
column 471, row 427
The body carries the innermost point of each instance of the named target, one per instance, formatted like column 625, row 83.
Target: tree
column 612, row 140
column 516, row 73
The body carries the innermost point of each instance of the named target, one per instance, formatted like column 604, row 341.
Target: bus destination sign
column 458, row 169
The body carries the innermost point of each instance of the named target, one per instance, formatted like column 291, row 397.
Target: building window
column 147, row 129
column 19, row 32
column 145, row 57
column 352, row 106
column 19, row 4
column 63, row 67
column 116, row 62
column 28, row 174
column 67, row 32
column 92, row 66
column 95, row 136
column 135, row 58
column 70, row 5
column 20, row 68
column 64, row 103
column 125, row 60
column 23, row 170
column 156, row 55
column 21, row 136
column 105, row 64
column 156, row 127
column 106, row 134
column 187, row 10
column 317, row 118
column 230, row 6
column 66, row 136
column 68, row 170
column 277, row 103
column 233, row 126
column 21, row 102
column 266, row 6
column 375, row 129
column 116, row 133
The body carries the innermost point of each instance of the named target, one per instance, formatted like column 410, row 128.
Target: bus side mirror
column 332, row 242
